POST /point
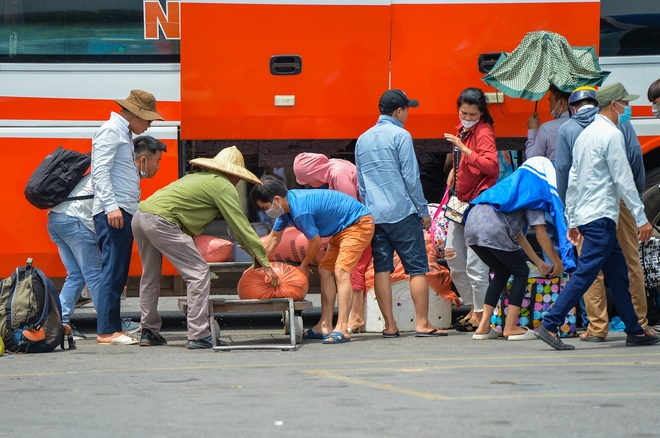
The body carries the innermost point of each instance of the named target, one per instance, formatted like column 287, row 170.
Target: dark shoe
column 645, row 339
column 151, row 339
column 588, row 337
column 204, row 343
column 77, row 336
column 83, row 301
column 552, row 340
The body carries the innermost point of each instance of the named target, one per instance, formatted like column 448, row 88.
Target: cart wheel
column 299, row 329
column 285, row 321
column 217, row 328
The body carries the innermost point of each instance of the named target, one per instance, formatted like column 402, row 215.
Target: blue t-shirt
column 320, row 212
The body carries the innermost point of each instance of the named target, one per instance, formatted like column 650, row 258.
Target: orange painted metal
column 228, row 92
column 23, row 230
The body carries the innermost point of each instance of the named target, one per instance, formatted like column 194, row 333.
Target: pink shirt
column 317, row 170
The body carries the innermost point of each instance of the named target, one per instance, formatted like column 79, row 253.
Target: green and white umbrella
column 543, row 58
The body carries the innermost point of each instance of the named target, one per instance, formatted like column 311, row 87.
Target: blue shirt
column 320, row 212
column 388, row 174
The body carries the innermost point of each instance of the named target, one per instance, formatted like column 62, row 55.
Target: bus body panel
column 228, row 91
column 24, row 232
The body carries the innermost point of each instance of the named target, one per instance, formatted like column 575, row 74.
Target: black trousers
column 504, row 264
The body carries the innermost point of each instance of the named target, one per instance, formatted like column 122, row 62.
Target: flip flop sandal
column 310, row 334
column 336, row 338
column 467, row 326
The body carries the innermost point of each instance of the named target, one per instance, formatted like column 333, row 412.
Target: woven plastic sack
column 293, row 283
column 293, row 248
column 213, row 249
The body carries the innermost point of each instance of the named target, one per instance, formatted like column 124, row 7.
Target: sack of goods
column 213, row 249
column 31, row 313
column 253, row 285
column 293, row 248
column 56, row 176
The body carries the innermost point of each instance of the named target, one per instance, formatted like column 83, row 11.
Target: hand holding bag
column 456, row 210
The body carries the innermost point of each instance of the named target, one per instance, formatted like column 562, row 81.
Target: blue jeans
column 406, row 237
column 600, row 252
column 81, row 257
column 116, row 247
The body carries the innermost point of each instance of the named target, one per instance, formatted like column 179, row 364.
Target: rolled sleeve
column 103, row 157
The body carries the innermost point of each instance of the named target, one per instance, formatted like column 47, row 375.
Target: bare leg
column 344, row 300
column 328, row 295
column 383, row 289
column 511, row 327
column 355, row 321
column 484, row 324
column 419, row 291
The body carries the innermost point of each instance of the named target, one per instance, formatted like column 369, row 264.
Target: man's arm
column 104, row 150
column 563, row 161
column 537, row 143
column 634, row 154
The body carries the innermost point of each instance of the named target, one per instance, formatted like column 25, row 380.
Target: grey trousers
column 155, row 238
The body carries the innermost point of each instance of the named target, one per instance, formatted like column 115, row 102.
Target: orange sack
column 293, row 248
column 293, row 283
column 213, row 249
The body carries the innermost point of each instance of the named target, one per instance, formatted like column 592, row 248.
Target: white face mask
column 274, row 213
column 554, row 114
column 656, row 109
column 467, row 124
column 144, row 172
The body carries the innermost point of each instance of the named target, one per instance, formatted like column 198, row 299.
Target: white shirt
column 600, row 175
column 114, row 174
column 80, row 208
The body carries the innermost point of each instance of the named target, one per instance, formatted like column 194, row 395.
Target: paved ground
column 418, row 387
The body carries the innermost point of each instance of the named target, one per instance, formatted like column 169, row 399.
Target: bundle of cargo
column 440, row 296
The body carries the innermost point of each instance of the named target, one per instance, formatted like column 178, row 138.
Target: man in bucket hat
column 165, row 224
column 116, row 183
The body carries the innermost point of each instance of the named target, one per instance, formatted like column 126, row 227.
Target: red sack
column 293, row 283
column 213, row 249
column 293, row 248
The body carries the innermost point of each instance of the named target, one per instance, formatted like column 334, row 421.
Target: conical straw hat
column 230, row 161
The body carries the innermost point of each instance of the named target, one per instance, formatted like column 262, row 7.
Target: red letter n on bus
column 154, row 16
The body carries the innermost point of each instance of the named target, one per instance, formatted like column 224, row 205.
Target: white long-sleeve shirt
column 114, row 174
column 600, row 175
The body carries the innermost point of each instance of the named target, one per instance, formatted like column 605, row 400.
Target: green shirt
column 193, row 201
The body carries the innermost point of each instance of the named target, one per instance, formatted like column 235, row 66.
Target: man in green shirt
column 164, row 225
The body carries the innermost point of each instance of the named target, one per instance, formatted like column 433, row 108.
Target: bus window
column 75, row 31
column 629, row 28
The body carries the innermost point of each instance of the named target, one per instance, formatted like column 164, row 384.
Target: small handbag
column 456, row 210
column 649, row 255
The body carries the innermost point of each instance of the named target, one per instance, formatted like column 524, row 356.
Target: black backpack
column 31, row 313
column 56, row 177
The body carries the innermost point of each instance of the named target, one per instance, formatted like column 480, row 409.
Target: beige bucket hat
column 229, row 161
column 142, row 104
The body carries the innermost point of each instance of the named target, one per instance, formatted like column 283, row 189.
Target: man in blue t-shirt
column 318, row 214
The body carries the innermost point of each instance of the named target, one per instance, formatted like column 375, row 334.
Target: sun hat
column 613, row 92
column 393, row 99
column 142, row 104
column 229, row 161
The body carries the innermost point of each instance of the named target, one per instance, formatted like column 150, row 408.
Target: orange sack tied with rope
column 293, row 283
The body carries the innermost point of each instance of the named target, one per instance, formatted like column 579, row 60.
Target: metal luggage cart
column 291, row 318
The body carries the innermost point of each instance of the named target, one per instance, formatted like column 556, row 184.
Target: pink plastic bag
column 439, row 225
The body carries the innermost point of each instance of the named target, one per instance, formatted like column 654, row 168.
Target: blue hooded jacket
column 533, row 186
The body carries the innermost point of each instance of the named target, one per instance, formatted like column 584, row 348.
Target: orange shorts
column 346, row 247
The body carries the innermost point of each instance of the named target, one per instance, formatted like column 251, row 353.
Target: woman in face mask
column 475, row 157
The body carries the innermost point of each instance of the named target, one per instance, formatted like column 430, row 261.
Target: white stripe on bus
column 163, row 133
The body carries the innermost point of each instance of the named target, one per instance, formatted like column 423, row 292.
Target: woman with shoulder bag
column 476, row 168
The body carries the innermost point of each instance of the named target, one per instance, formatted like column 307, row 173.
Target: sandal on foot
column 336, row 338
column 391, row 335
column 309, row 334
column 432, row 334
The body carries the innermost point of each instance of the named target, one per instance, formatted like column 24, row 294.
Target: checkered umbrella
column 543, row 58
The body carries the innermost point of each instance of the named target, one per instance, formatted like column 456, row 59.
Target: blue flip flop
column 309, row 334
column 336, row 338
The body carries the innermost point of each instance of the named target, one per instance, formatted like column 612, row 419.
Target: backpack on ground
column 56, row 176
column 31, row 313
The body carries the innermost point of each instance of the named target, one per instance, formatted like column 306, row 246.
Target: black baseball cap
column 391, row 100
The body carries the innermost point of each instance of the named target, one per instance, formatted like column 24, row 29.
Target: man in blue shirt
column 389, row 185
column 318, row 214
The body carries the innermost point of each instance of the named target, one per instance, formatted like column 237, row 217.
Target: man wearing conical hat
column 116, row 183
column 165, row 224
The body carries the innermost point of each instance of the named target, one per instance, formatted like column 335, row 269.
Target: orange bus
column 277, row 77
